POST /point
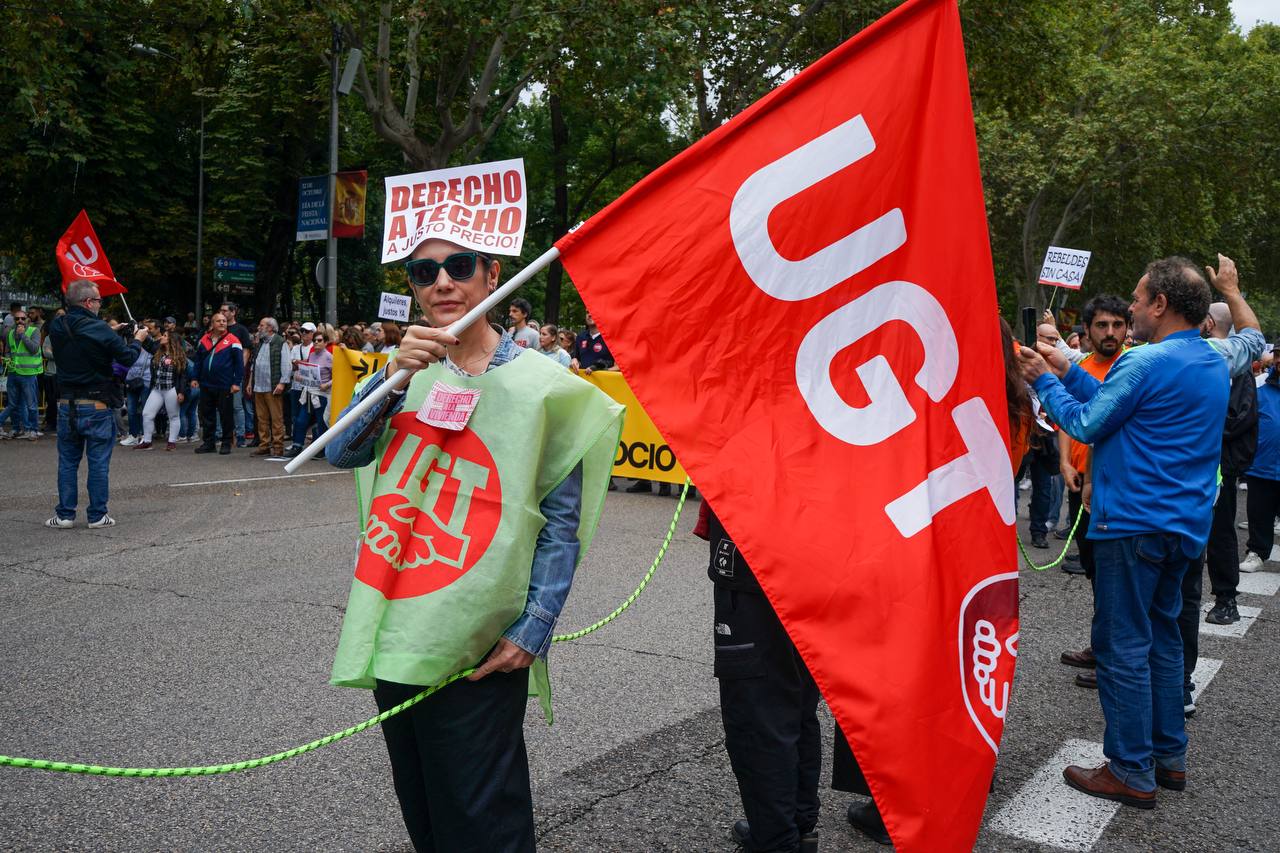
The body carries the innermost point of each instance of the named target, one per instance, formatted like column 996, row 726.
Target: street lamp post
column 151, row 51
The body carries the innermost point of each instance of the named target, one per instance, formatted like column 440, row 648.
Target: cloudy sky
column 1249, row 12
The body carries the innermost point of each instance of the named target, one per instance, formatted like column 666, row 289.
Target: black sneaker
column 206, row 448
column 866, row 819
column 1224, row 612
column 1062, row 533
column 638, row 487
column 293, row 452
column 1071, row 565
column 1038, row 541
column 224, row 450
column 741, row 833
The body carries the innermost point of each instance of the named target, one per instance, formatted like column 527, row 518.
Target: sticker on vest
column 449, row 407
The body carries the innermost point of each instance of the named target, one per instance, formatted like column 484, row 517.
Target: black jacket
column 83, row 348
column 1240, row 433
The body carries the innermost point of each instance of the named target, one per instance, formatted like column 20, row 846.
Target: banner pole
column 127, row 312
column 540, row 263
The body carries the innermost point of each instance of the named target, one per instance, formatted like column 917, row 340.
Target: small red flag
column 804, row 302
column 80, row 255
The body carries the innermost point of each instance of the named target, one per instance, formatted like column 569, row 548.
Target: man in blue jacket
column 218, row 370
column 83, row 349
column 1155, row 424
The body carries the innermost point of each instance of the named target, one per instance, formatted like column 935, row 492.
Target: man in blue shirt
column 1155, row 424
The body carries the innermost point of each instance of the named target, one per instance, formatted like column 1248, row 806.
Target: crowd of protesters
column 219, row 385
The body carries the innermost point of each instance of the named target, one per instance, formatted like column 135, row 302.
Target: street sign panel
column 313, row 208
column 233, row 275
column 234, row 264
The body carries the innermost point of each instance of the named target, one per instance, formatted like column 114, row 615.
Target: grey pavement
column 201, row 630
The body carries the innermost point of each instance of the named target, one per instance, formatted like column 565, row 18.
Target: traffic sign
column 234, row 264
column 233, row 275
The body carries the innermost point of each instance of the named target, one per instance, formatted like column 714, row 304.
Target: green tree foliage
column 1133, row 128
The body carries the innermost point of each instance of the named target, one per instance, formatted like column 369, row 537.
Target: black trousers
column 1223, row 554
column 459, row 764
column 1189, row 618
column 769, row 705
column 1262, row 506
column 1083, row 544
column 216, row 402
column 846, row 775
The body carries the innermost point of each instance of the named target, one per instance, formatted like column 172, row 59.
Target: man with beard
column 1106, row 321
column 1156, row 426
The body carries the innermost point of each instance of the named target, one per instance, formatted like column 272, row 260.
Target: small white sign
column 308, row 375
column 481, row 207
column 1064, row 267
column 395, row 307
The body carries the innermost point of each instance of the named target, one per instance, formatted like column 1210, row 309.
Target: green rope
column 1065, row 545
column 215, row 769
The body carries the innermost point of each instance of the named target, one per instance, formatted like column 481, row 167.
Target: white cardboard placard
column 1064, row 267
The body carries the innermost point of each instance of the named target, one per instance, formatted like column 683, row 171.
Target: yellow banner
column 642, row 452
column 349, row 367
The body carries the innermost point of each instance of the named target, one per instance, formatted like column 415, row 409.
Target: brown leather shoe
column 1088, row 680
column 262, row 450
column 1173, row 780
column 1083, row 658
column 1101, row 782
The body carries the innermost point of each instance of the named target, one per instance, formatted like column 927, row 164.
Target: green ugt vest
column 25, row 363
column 450, row 519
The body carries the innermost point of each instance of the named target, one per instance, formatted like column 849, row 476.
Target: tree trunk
column 560, row 206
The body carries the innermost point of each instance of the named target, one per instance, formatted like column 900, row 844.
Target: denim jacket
column 555, row 555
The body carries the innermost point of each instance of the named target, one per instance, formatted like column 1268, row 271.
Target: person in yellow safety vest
column 25, row 362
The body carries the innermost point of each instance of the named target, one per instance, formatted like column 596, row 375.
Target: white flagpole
column 400, row 375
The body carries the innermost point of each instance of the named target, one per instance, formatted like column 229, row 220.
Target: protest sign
column 308, row 375
column 642, row 451
column 393, row 306
column 481, row 207
column 350, row 368
column 1064, row 267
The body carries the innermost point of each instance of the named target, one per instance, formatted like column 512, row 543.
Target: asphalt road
column 202, row 627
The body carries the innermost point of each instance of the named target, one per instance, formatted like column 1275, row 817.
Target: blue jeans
column 189, row 413
column 92, row 434
column 250, row 412
column 307, row 416
column 1137, row 599
column 1046, row 499
column 134, row 398
column 20, row 404
column 237, row 412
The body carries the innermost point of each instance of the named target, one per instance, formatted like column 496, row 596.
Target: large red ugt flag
column 80, row 255
column 804, row 303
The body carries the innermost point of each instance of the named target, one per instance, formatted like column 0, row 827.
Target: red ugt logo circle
column 443, row 517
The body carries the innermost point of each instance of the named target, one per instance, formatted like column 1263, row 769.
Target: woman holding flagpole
column 480, row 484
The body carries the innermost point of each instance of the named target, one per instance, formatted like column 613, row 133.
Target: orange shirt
column 1097, row 368
column 1020, row 442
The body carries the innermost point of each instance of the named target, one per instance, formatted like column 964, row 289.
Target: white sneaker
column 57, row 523
column 32, row 436
column 1275, row 528
column 1243, row 525
column 129, row 441
column 105, row 521
column 1251, row 563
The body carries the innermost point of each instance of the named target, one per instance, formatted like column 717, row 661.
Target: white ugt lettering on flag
column 985, row 466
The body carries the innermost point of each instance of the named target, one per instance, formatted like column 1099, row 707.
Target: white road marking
column 1047, row 811
column 1206, row 669
column 1247, row 615
column 1259, row 583
column 255, row 479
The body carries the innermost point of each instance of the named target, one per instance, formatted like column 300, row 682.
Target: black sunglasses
column 459, row 266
